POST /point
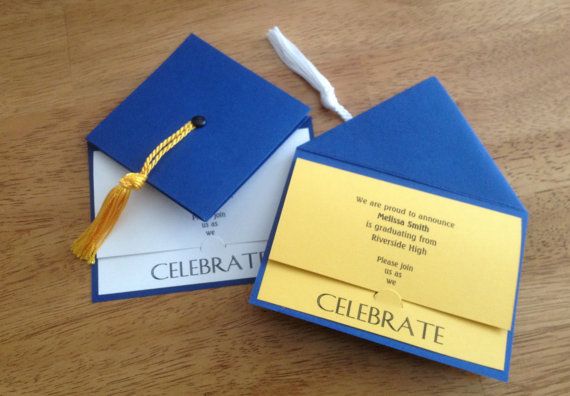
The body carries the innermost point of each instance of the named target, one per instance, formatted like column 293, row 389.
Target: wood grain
column 65, row 64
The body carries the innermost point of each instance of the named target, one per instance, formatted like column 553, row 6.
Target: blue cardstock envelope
column 247, row 120
column 252, row 129
column 418, row 140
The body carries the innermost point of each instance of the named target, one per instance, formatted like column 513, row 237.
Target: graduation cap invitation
column 196, row 131
column 398, row 227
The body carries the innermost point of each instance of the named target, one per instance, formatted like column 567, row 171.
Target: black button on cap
column 199, row 121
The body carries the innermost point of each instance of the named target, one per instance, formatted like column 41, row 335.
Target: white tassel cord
column 296, row 61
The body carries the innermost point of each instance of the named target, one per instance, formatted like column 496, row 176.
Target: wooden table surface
column 64, row 65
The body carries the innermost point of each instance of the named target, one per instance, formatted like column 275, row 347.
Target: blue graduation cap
column 420, row 140
column 223, row 120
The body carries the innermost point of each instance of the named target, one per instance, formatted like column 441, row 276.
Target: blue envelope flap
column 247, row 119
column 420, row 135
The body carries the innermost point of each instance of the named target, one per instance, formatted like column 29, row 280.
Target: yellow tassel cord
column 85, row 247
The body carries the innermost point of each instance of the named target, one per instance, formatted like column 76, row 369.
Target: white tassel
column 296, row 61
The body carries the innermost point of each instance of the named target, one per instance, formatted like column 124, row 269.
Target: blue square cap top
column 247, row 119
column 420, row 135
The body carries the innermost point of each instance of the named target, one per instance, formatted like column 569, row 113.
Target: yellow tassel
column 85, row 247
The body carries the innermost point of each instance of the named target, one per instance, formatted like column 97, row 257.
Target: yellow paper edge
column 459, row 338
